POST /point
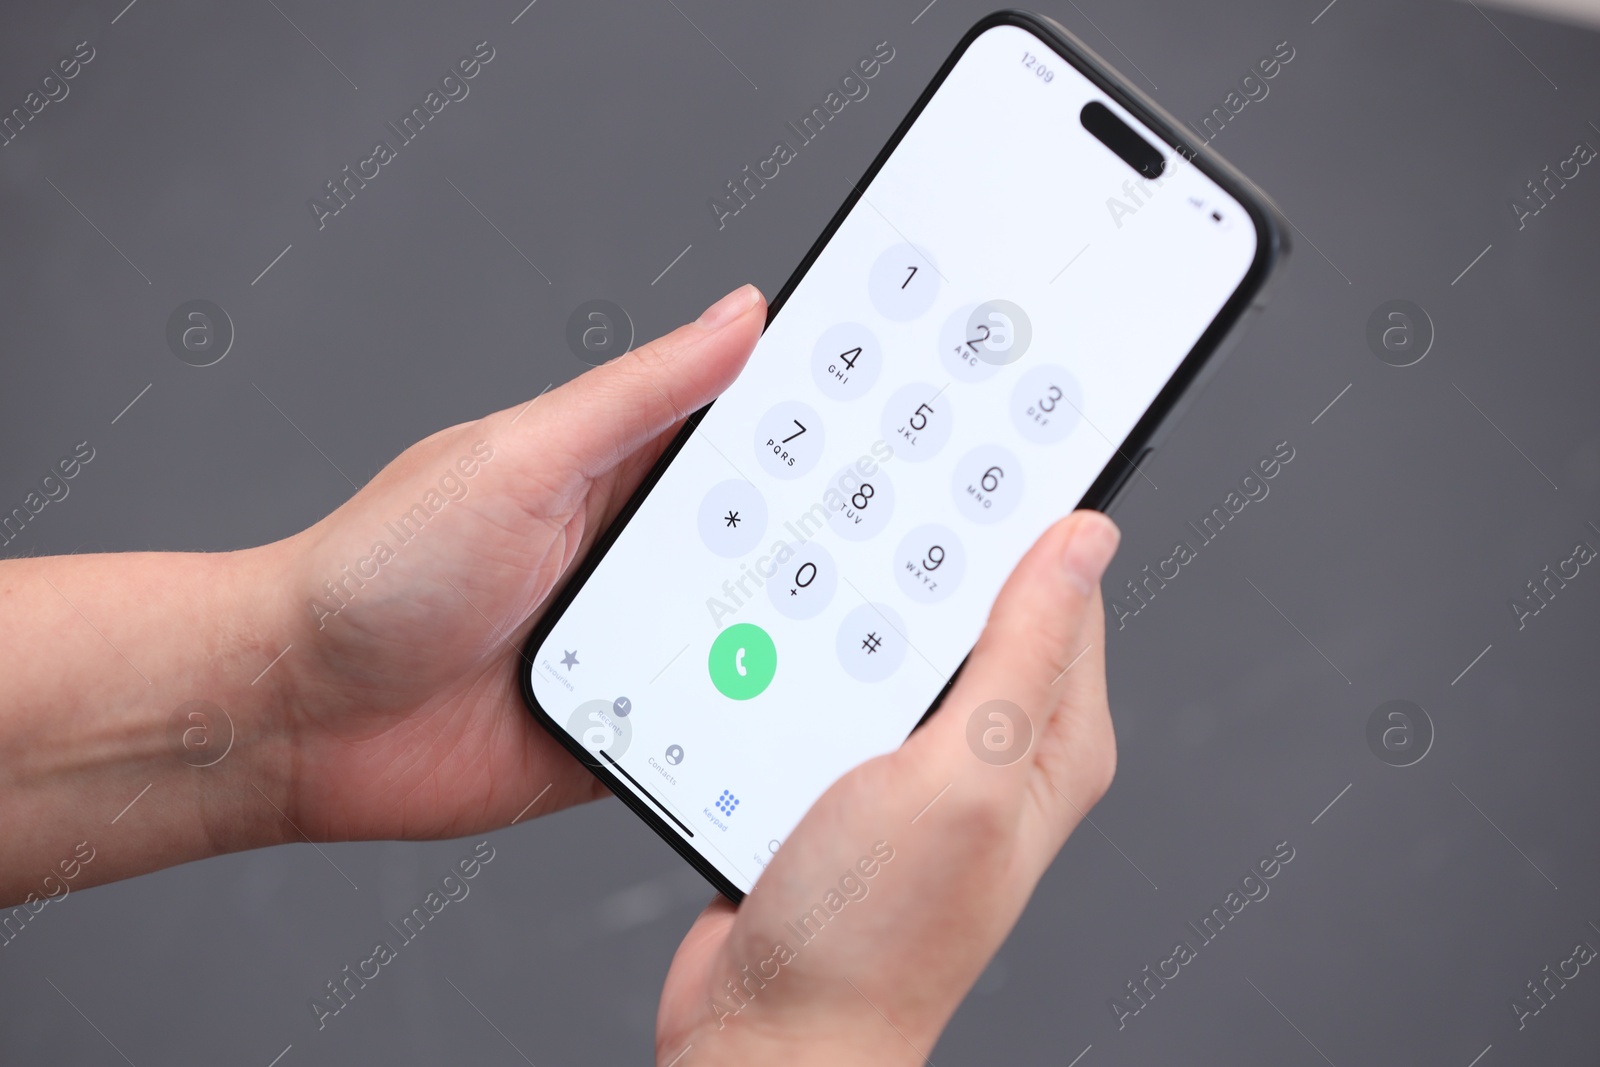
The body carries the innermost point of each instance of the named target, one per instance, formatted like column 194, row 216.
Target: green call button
column 742, row 662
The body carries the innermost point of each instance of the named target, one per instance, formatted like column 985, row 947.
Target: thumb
column 603, row 416
column 1033, row 634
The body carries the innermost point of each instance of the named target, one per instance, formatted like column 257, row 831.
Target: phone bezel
column 1271, row 246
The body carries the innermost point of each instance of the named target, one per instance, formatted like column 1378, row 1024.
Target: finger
column 603, row 416
column 1032, row 636
column 1078, row 751
column 683, row 996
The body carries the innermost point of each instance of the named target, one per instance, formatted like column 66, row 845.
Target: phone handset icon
column 742, row 661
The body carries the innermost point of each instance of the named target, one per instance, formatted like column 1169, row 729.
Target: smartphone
column 993, row 330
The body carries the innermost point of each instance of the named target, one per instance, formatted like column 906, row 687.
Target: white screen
column 993, row 192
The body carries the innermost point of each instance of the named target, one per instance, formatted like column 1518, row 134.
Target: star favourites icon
column 570, row 660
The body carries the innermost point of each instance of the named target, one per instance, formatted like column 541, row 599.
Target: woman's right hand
column 897, row 888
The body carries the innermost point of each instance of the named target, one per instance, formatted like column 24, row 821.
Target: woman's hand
column 887, row 901
column 356, row 680
column 402, row 712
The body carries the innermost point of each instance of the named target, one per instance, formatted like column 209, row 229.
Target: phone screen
column 965, row 355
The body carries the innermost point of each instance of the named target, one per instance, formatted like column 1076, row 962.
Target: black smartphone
column 993, row 330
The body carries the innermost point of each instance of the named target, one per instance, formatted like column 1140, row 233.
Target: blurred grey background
column 1382, row 566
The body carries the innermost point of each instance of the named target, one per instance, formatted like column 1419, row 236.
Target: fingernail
column 729, row 307
column 1090, row 547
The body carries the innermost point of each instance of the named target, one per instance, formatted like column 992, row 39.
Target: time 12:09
column 1033, row 63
